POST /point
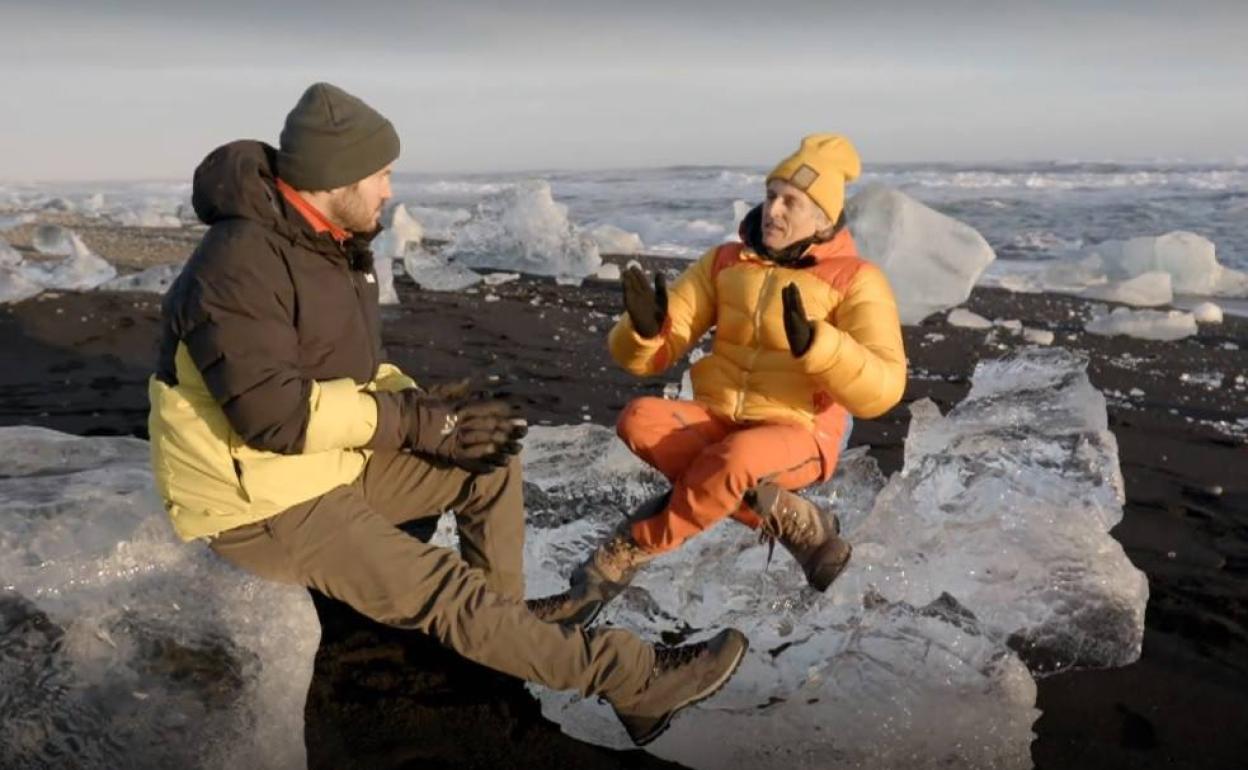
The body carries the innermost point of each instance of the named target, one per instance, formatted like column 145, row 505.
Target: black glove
column 475, row 435
column 797, row 328
column 646, row 307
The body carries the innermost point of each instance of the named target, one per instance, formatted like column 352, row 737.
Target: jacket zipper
column 758, row 340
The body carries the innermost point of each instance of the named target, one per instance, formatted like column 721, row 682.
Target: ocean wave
column 1204, row 179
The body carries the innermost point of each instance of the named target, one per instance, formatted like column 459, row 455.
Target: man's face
column 357, row 207
column 789, row 216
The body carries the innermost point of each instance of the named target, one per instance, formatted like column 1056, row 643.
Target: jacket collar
column 799, row 255
column 314, row 217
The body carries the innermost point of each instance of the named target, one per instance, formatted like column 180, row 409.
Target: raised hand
column 797, row 327
column 645, row 306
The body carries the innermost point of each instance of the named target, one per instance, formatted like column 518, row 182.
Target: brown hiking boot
column 805, row 531
column 682, row 676
column 607, row 572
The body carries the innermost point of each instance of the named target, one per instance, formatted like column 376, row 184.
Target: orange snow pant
column 712, row 462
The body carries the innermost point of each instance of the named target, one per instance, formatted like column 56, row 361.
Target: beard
column 351, row 212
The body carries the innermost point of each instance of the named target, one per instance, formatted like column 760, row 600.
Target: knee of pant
column 500, row 477
column 633, row 424
column 723, row 460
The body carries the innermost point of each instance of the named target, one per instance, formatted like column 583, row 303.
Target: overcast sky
column 145, row 88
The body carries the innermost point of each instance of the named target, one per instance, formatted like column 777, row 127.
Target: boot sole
column 666, row 720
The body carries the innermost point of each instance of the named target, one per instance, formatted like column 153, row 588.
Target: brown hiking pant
column 346, row 544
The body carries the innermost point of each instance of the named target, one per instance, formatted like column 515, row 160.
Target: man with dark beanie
column 281, row 437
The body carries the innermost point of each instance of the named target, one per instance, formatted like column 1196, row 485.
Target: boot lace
column 786, row 522
column 668, row 658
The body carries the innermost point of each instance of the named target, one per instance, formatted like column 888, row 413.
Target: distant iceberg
column 523, row 228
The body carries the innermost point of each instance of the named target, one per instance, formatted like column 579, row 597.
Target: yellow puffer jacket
column 210, row 480
column 857, row 360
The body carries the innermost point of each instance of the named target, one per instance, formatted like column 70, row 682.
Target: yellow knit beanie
column 820, row 168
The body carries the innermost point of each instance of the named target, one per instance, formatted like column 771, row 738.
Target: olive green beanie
column 332, row 139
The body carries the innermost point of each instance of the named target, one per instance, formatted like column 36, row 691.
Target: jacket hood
column 236, row 181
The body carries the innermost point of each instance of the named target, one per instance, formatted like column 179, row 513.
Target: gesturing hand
column 476, row 435
column 646, row 307
column 797, row 327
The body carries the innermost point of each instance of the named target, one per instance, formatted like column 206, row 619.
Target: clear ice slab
column 119, row 645
column 984, row 563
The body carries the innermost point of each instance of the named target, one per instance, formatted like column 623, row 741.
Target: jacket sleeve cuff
column 824, row 350
column 391, row 432
column 634, row 352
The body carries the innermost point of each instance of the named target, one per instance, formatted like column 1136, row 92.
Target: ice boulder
column 433, row 273
column 522, row 228
column 8, row 255
column 154, row 280
column 52, row 240
column 121, row 646
column 1207, row 313
column 986, row 561
column 15, row 284
column 931, row 260
column 967, row 319
column 383, row 270
column 613, row 240
column 1167, row 325
column 1189, row 259
column 81, row 270
column 403, row 233
column 1038, row 336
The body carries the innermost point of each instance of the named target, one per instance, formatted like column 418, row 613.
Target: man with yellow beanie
column 806, row 335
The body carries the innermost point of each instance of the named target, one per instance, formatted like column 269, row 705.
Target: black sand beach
column 381, row 698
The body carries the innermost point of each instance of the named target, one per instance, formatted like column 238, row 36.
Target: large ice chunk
column 614, row 240
column 1006, row 503
column 8, row 255
column 52, row 240
column 402, row 234
column 1190, row 259
column 988, row 553
column 931, row 260
column 15, row 285
column 119, row 645
column 522, row 228
column 433, row 273
column 81, row 270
